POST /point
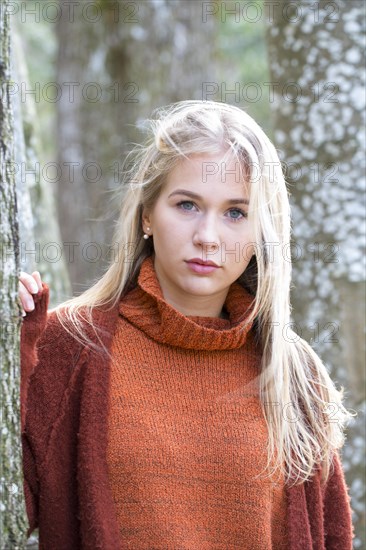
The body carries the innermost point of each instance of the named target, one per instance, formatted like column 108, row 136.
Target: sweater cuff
column 32, row 328
column 35, row 321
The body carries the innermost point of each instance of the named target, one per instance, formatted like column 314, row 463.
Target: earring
column 145, row 235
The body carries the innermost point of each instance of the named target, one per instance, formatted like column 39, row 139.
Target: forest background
column 81, row 78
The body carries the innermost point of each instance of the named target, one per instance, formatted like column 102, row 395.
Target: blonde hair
column 291, row 372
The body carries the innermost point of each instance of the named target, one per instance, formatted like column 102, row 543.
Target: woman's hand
column 28, row 285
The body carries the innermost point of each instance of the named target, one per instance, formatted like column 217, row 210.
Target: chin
column 201, row 288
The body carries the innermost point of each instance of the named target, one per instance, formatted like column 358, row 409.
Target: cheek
column 241, row 246
column 168, row 232
column 164, row 217
column 243, row 235
column 248, row 238
column 167, row 224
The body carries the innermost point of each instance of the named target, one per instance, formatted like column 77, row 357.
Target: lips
column 196, row 265
column 201, row 262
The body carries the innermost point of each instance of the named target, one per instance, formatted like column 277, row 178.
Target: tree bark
column 13, row 516
column 316, row 58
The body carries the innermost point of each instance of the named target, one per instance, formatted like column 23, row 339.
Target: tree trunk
column 116, row 63
column 13, row 516
column 317, row 63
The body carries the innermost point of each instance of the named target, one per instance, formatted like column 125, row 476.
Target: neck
column 201, row 306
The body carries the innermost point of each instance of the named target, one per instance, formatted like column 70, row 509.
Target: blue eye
column 188, row 206
column 243, row 214
column 184, row 202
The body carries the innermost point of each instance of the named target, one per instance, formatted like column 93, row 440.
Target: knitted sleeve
column 338, row 527
column 32, row 327
column 47, row 356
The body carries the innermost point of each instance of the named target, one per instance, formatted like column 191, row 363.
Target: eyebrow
column 198, row 197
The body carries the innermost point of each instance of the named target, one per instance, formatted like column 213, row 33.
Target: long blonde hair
column 291, row 373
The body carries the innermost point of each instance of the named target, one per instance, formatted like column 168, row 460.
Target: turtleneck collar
column 145, row 307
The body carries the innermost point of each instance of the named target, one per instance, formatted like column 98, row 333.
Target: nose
column 205, row 234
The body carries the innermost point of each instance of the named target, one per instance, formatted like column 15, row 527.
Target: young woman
column 170, row 406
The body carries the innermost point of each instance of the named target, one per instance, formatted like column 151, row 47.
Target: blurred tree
column 13, row 516
column 117, row 62
column 317, row 63
column 39, row 246
column 242, row 59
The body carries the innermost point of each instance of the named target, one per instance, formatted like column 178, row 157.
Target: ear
column 145, row 218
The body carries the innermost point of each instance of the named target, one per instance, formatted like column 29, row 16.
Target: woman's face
column 194, row 218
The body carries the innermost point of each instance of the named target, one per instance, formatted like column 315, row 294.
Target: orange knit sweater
column 186, row 434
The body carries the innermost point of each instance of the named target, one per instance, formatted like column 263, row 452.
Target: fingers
column 28, row 285
column 26, row 298
column 36, row 275
column 29, row 282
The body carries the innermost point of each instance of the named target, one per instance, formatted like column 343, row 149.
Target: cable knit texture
column 183, row 469
column 186, row 432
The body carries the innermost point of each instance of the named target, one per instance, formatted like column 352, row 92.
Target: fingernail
column 34, row 288
column 30, row 305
